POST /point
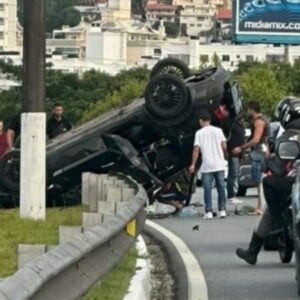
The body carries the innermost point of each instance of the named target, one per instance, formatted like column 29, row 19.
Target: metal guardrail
column 68, row 271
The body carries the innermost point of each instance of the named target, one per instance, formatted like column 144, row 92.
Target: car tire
column 171, row 66
column 167, row 97
column 285, row 248
column 242, row 191
column 10, row 171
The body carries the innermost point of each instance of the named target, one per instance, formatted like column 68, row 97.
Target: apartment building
column 198, row 17
column 8, row 25
column 68, row 40
column 156, row 11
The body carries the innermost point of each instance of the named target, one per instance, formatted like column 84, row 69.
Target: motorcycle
column 281, row 237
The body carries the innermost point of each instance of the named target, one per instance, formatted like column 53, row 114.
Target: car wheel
column 172, row 66
column 242, row 191
column 285, row 248
column 10, row 171
column 167, row 96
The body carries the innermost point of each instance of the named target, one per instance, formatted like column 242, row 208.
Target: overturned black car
column 150, row 139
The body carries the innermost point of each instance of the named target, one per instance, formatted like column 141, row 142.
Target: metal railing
column 68, row 271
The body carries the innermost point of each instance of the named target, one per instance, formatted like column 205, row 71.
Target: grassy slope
column 115, row 285
column 15, row 231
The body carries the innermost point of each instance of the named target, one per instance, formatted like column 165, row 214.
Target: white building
column 198, row 17
column 8, row 25
column 68, row 41
column 106, row 47
column 120, row 42
column 196, row 54
column 117, row 10
column 161, row 12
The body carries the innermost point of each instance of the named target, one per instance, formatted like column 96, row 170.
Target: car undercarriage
column 150, row 139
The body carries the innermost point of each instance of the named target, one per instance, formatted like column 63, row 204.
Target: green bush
column 128, row 93
column 77, row 93
column 260, row 83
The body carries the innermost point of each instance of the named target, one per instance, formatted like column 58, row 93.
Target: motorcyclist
column 278, row 186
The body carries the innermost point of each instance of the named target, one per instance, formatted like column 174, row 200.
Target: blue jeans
column 232, row 179
column 207, row 180
column 256, row 172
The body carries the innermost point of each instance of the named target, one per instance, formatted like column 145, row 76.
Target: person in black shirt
column 57, row 124
column 13, row 131
column 236, row 139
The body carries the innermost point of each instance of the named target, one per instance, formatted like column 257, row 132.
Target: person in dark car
column 57, row 124
column 260, row 131
column 236, row 139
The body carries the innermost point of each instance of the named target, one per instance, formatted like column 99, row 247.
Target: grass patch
column 115, row 284
column 16, row 231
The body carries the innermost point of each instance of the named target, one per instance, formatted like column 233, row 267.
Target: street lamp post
column 33, row 119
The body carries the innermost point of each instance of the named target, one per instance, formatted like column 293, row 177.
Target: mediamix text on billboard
column 268, row 21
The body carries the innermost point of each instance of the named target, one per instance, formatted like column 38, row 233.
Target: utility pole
column 33, row 119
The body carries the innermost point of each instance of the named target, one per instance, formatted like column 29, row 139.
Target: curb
column 140, row 286
column 195, row 282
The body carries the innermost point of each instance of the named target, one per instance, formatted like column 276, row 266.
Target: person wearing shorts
column 260, row 131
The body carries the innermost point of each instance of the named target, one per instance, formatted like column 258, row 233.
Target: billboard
column 267, row 21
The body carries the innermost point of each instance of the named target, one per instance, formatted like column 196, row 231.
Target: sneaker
column 235, row 200
column 208, row 216
column 222, row 214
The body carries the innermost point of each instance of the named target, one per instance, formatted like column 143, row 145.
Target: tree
column 58, row 13
column 172, row 28
column 260, row 83
column 216, row 61
column 204, row 60
column 128, row 93
column 10, row 104
column 77, row 93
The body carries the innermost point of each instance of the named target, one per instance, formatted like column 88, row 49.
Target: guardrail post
column 91, row 220
column 66, row 233
column 27, row 252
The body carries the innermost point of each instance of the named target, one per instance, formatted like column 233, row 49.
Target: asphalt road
column 227, row 276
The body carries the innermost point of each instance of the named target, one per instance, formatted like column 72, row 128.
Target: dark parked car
column 150, row 139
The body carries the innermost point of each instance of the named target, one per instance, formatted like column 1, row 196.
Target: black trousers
column 277, row 190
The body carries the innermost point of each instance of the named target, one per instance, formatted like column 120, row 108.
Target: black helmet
column 288, row 110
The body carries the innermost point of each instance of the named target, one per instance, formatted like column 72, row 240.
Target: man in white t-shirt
column 211, row 143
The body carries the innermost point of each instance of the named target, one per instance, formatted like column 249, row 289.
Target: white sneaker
column 208, row 216
column 222, row 214
column 235, row 200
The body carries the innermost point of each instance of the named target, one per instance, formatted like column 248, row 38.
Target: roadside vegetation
column 21, row 231
column 93, row 93
column 17, row 231
column 84, row 97
column 116, row 283
column 268, row 83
